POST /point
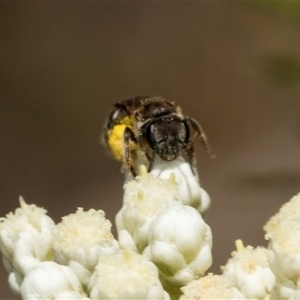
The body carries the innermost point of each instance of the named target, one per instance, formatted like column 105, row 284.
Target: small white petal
column 203, row 259
column 190, row 192
column 205, row 202
column 49, row 280
column 15, row 282
column 71, row 295
column 288, row 290
column 126, row 240
column 166, row 257
column 81, row 272
column 7, row 265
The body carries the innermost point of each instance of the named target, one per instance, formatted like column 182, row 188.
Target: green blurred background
column 235, row 67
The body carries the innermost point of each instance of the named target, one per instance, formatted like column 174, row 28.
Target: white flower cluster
column 259, row 273
column 45, row 261
column 156, row 221
column 163, row 243
column 162, row 252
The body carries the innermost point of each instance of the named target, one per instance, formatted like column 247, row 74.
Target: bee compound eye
column 150, row 135
column 184, row 132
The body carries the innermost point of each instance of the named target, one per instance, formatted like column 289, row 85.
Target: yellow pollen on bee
column 129, row 121
column 116, row 139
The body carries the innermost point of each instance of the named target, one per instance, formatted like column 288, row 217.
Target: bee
column 144, row 127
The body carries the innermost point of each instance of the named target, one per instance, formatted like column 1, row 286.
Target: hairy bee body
column 143, row 127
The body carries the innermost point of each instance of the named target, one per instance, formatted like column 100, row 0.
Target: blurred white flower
column 180, row 245
column 290, row 210
column 126, row 275
column 82, row 238
column 283, row 233
column 249, row 271
column 144, row 198
column 15, row 281
column 284, row 250
column 288, row 290
column 190, row 192
column 49, row 280
column 211, row 287
column 25, row 240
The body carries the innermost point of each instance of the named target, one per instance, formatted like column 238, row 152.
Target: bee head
column 167, row 136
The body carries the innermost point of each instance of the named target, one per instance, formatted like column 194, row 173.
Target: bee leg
column 143, row 144
column 151, row 161
column 199, row 131
column 128, row 137
column 190, row 152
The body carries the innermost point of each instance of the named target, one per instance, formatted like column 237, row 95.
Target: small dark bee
column 151, row 126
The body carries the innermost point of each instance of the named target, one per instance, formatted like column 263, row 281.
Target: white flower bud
column 249, row 271
column 25, row 240
column 83, row 237
column 180, row 245
column 211, row 287
column 144, row 198
column 81, row 272
column 190, row 192
column 288, row 290
column 14, row 278
column 126, row 275
column 15, row 281
column 283, row 233
column 284, row 251
column 290, row 210
column 49, row 280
